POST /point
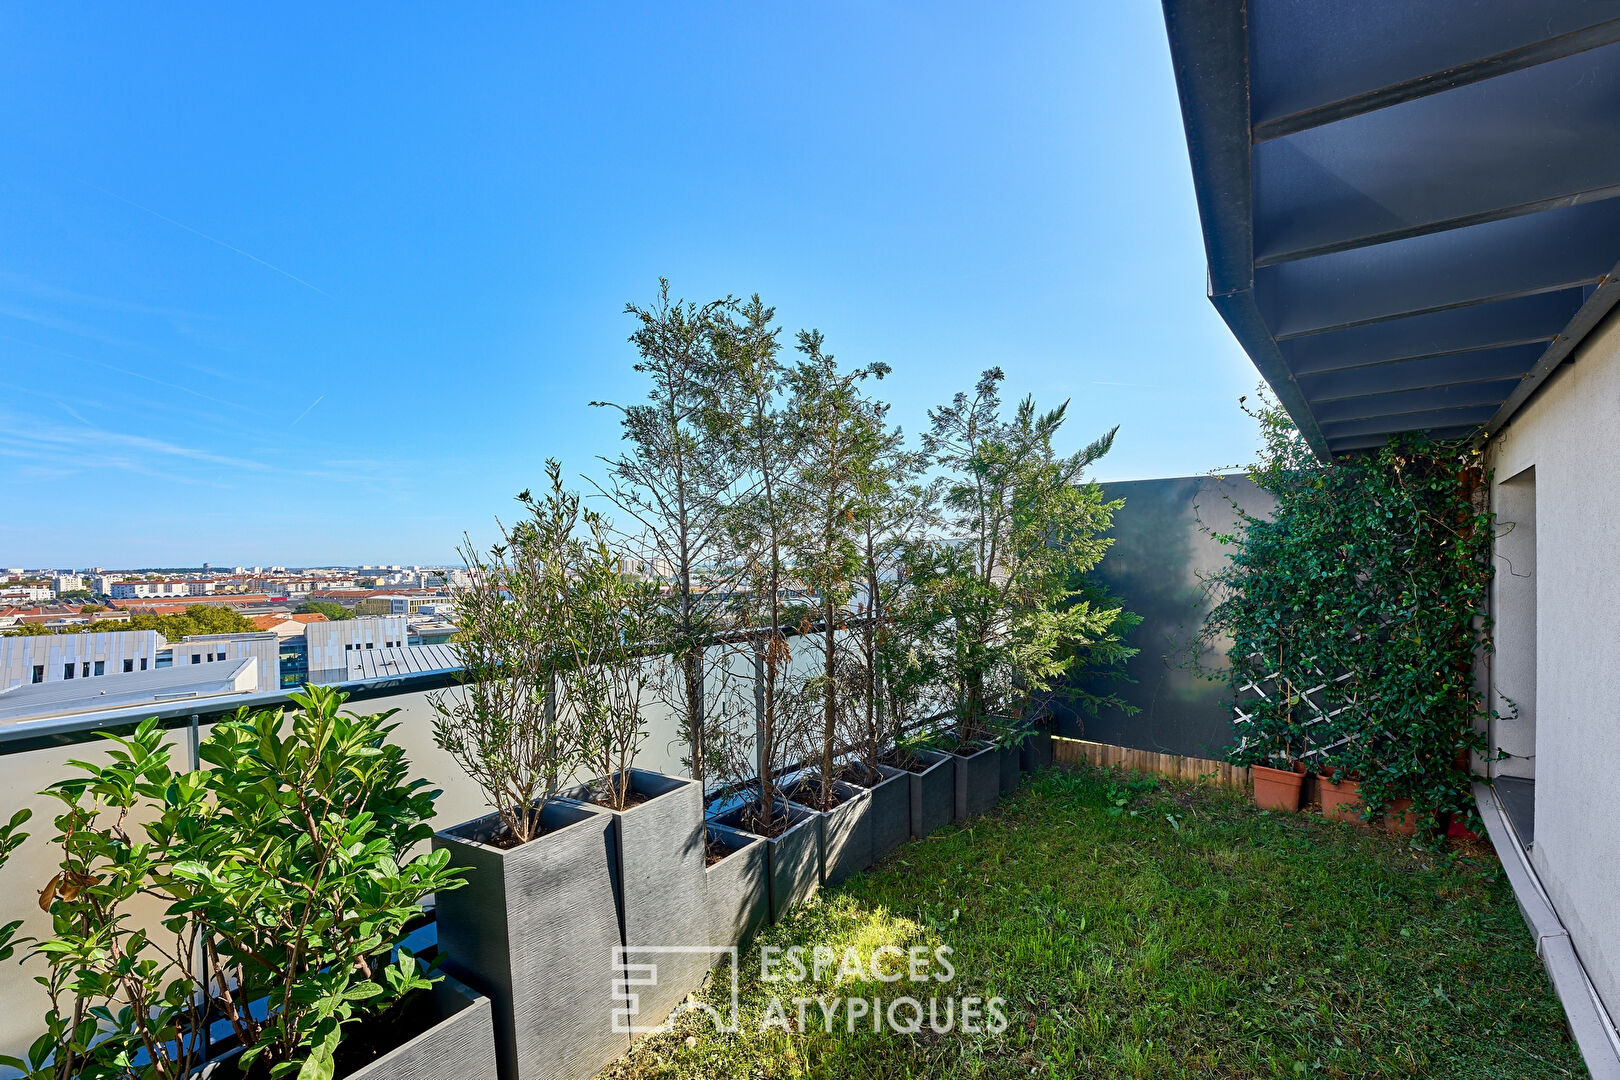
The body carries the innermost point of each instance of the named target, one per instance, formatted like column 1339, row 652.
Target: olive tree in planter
column 839, row 433
column 537, row 927
column 657, row 857
column 1026, row 524
column 287, row 875
column 910, row 672
column 761, row 721
column 675, row 479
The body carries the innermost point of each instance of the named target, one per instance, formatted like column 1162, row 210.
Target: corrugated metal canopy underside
column 1409, row 206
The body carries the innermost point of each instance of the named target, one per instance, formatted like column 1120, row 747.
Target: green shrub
column 287, row 874
column 1357, row 608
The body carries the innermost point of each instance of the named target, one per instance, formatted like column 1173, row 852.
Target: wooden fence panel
column 1067, row 753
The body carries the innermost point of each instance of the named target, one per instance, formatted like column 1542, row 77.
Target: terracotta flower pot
column 1341, row 801
column 1399, row 818
column 1276, row 789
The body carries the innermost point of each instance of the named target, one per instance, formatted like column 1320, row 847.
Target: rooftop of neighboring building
column 65, row 697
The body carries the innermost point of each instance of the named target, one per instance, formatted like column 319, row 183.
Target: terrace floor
column 1143, row 928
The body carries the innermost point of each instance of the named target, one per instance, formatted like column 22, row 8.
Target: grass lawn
column 1140, row 928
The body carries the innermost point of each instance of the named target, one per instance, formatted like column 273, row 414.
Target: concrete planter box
column 1010, row 772
column 793, row 858
column 460, row 1040
column 978, row 782
column 933, row 793
column 1035, row 755
column 657, row 868
column 534, row 930
column 846, row 833
column 737, row 889
column 446, row 1029
column 891, row 812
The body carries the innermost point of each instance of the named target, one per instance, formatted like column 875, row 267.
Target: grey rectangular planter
column 978, row 782
column 1035, row 755
column 845, row 832
column 658, row 878
column 891, row 811
column 448, row 1028
column 534, row 930
column 458, row 1039
column 933, row 793
column 793, row 857
column 1010, row 773
column 737, row 889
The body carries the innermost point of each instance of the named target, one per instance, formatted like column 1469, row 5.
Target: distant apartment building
column 147, row 590
column 60, row 657
column 24, row 594
column 62, row 583
column 411, row 605
column 329, row 645
column 101, row 584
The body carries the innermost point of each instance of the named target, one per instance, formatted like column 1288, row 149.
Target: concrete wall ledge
column 1589, row 1021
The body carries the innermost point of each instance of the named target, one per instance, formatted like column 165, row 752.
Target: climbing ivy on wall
column 1357, row 606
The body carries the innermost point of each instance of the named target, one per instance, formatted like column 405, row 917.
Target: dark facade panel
column 1164, row 547
column 1521, row 321
column 1411, row 207
column 1491, row 365
column 1439, row 419
column 1472, row 154
column 1350, row 443
column 1309, row 54
column 1499, row 260
column 1405, row 402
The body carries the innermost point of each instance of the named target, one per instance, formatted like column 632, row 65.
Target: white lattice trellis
column 1268, row 688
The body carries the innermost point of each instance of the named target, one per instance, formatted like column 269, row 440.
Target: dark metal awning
column 1409, row 206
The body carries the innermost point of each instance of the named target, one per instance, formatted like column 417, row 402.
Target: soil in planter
column 808, row 793
column 858, row 776
column 907, row 762
column 506, row 840
column 635, row 798
column 714, row 851
column 749, row 821
column 971, row 748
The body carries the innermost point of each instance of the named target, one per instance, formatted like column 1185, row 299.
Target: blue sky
column 328, row 285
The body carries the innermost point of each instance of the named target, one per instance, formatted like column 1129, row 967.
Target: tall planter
column 657, row 869
column 978, row 781
column 736, row 887
column 933, row 793
column 793, row 857
column 534, row 930
column 1035, row 752
column 891, row 811
column 845, row 832
column 1010, row 772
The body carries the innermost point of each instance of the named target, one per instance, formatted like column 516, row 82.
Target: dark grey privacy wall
column 1163, row 550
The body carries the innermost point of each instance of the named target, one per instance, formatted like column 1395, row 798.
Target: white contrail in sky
column 211, row 239
column 305, row 413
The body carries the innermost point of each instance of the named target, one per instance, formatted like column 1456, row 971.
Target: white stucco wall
column 1570, row 434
